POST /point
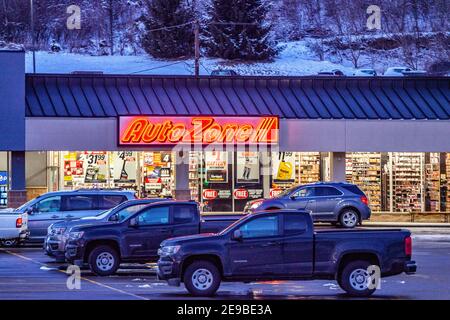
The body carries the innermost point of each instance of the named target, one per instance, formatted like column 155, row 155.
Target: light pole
column 33, row 42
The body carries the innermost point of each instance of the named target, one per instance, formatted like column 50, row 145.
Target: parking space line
column 82, row 278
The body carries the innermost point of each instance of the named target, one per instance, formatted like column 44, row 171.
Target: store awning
column 96, row 96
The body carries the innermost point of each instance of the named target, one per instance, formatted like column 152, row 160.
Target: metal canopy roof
column 87, row 95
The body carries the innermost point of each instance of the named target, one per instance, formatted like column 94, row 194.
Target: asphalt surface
column 27, row 273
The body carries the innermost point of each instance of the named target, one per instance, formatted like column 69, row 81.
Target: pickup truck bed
column 213, row 224
column 329, row 241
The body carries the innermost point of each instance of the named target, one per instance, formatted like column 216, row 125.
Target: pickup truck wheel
column 202, row 278
column 355, row 279
column 104, row 260
column 348, row 218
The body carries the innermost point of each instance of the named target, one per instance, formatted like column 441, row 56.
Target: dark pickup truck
column 283, row 245
column 104, row 245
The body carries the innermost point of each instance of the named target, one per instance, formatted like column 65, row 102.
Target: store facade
column 264, row 134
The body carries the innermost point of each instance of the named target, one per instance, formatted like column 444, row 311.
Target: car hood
column 191, row 238
column 75, row 223
column 84, row 225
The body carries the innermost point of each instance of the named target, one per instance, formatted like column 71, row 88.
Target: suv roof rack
column 101, row 189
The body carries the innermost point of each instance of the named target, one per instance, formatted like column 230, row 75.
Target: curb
column 407, row 224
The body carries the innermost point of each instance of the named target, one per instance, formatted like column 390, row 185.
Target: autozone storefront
column 259, row 135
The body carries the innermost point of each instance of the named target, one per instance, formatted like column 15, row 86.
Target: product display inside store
column 226, row 181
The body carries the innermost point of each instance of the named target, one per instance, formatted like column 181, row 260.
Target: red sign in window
column 171, row 130
column 240, row 194
column 210, row 194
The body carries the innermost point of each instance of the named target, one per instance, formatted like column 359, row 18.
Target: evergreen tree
column 236, row 29
column 171, row 42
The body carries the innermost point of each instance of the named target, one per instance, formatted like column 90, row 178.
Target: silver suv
column 57, row 206
column 336, row 202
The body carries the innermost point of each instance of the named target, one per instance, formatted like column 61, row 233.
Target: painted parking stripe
column 82, row 278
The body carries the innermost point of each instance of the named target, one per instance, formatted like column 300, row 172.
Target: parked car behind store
column 328, row 202
column 58, row 233
column 68, row 205
column 365, row 73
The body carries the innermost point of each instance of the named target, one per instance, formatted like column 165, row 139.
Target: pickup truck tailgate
column 12, row 225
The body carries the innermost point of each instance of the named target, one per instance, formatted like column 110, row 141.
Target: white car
column 13, row 227
column 365, row 73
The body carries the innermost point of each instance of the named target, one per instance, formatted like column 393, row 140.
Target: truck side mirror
column 133, row 223
column 237, row 235
column 31, row 210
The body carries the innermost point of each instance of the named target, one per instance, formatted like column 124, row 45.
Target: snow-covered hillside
column 294, row 59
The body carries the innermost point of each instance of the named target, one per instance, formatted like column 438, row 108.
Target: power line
column 235, row 23
column 171, row 27
column 158, row 67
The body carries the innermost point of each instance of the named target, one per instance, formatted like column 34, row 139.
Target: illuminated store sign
column 204, row 130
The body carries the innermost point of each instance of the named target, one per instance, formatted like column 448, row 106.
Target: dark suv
column 328, row 202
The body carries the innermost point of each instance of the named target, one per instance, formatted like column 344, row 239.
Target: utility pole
column 197, row 48
column 111, row 26
column 33, row 39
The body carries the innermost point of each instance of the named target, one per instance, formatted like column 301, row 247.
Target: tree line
column 230, row 29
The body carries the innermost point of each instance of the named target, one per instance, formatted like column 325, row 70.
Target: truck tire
column 354, row 279
column 348, row 218
column 202, row 278
column 104, row 260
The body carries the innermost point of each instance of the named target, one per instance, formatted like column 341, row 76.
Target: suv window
column 327, row 191
column 50, row 204
column 154, row 216
column 80, row 202
column 304, row 192
column 353, row 189
column 110, row 201
column 260, row 227
column 184, row 213
column 294, row 224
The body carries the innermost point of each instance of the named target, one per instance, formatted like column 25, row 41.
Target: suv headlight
column 168, row 250
column 76, row 235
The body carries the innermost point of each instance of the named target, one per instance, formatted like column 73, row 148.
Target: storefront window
column 364, row 170
column 406, row 186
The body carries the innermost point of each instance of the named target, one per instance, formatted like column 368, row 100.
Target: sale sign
column 203, row 130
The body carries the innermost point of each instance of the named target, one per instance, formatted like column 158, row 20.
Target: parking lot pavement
column 26, row 273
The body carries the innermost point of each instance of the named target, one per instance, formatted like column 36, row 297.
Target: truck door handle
column 270, row 244
column 164, row 231
column 54, row 216
column 69, row 216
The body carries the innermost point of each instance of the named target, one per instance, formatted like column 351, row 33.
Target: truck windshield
column 24, row 206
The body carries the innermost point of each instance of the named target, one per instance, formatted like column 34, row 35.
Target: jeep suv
column 53, row 207
column 335, row 202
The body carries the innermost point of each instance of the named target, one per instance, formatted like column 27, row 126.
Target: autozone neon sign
column 171, row 130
